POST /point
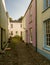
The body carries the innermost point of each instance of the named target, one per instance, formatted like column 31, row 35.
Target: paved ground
column 21, row 54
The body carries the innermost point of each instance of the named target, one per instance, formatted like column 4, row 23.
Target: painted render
column 16, row 29
column 8, row 24
column 3, row 26
column 41, row 17
column 30, row 23
column 23, row 29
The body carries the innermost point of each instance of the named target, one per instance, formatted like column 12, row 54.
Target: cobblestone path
column 21, row 54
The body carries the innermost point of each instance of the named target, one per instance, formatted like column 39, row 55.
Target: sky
column 17, row 8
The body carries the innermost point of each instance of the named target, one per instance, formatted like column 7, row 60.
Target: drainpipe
column 36, row 22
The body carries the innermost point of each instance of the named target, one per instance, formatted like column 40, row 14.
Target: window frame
column 45, row 42
column 30, row 30
column 46, row 5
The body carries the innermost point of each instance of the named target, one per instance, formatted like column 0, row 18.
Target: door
column 3, row 38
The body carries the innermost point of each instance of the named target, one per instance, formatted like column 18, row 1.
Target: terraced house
column 43, row 27
column 15, row 27
column 30, row 16
column 3, row 26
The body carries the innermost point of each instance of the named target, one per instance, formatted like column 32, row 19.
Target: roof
column 16, row 21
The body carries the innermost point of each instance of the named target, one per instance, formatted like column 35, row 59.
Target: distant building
column 3, row 26
column 15, row 27
column 43, row 27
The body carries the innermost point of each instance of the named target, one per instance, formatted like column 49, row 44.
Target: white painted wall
column 8, row 27
column 3, row 23
column 16, row 27
column 3, row 1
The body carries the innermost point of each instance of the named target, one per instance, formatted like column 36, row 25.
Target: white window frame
column 47, row 47
column 46, row 4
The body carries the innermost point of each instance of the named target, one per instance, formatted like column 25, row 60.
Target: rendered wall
column 4, row 21
column 16, row 27
column 31, row 24
column 41, row 17
column 23, row 29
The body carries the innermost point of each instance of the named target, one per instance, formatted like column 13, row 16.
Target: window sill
column 46, row 48
column 46, row 9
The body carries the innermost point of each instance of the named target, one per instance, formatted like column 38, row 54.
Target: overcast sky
column 16, row 8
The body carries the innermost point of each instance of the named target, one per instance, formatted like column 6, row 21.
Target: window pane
column 30, row 34
column 45, row 4
column 48, row 2
column 48, row 32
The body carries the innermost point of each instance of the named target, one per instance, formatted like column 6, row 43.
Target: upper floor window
column 30, row 13
column 11, row 25
column 46, row 4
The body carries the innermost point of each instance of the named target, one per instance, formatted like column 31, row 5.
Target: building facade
column 3, row 26
column 23, row 29
column 43, row 27
column 30, row 16
column 15, row 27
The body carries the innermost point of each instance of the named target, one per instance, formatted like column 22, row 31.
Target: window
column 47, row 33
column 30, row 12
column 16, row 32
column 11, row 32
column 49, row 3
column 46, row 4
column 31, row 35
column 11, row 25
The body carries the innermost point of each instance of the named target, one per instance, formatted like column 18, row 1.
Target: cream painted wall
column 3, row 20
column 3, row 1
column 24, row 27
column 41, row 16
column 16, row 27
column 8, row 27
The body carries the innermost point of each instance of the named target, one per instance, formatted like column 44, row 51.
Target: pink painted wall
column 32, row 24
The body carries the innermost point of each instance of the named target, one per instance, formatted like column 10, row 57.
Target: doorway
column 3, row 38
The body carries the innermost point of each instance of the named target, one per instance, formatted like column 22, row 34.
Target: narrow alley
column 24, row 32
column 18, row 53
